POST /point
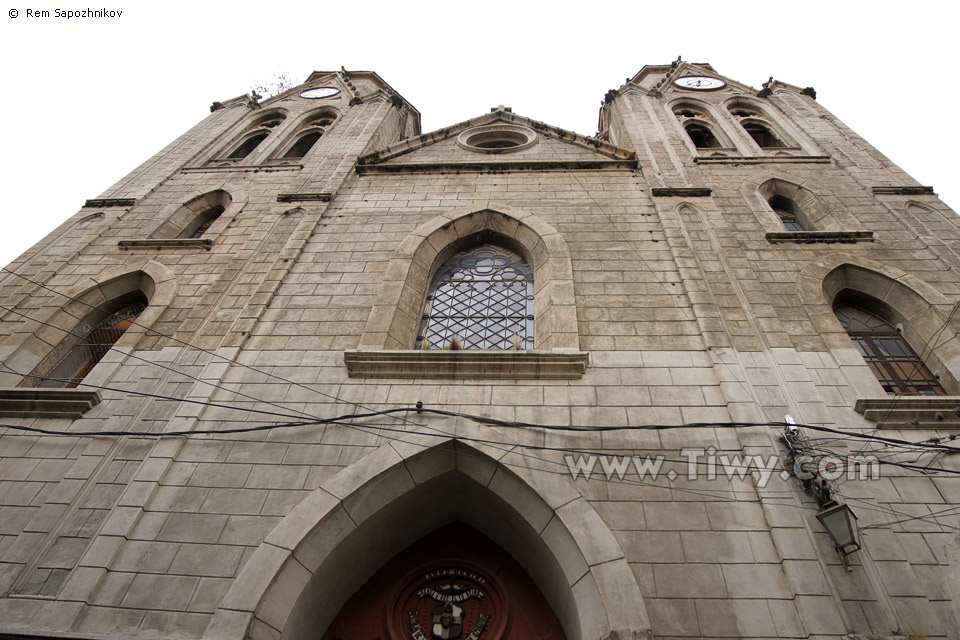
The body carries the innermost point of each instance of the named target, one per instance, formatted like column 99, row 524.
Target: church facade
column 311, row 373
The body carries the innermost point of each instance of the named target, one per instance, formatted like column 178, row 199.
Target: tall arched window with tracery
column 893, row 361
column 479, row 299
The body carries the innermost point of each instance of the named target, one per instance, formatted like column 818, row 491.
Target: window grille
column 891, row 358
column 479, row 299
column 91, row 348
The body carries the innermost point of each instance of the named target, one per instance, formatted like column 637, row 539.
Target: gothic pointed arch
column 195, row 217
column 397, row 310
column 916, row 310
column 342, row 533
column 797, row 208
column 701, row 125
column 92, row 317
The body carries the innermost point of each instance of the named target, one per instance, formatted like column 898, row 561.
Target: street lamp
column 841, row 523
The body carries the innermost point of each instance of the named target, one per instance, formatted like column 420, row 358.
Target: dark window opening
column 303, row 145
column 248, row 146
column 702, row 137
column 762, row 136
column 205, row 219
column 893, row 361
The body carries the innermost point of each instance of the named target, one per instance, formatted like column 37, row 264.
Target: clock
column 701, row 83
column 319, row 92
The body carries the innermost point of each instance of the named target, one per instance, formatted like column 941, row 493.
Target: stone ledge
column 762, row 159
column 168, row 243
column 911, row 412
column 681, row 192
column 243, row 168
column 461, row 365
column 496, row 167
column 902, row 191
column 37, row 402
column 819, row 237
column 304, row 197
column 100, row 203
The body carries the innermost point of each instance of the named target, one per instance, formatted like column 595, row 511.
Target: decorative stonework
column 763, row 160
column 171, row 243
column 496, row 167
column 497, row 138
column 303, row 197
column 819, row 237
column 395, row 316
column 100, row 203
column 464, row 365
column 681, row 192
column 902, row 191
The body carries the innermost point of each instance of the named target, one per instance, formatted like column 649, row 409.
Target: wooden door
column 453, row 584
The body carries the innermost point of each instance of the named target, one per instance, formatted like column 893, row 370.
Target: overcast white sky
column 87, row 100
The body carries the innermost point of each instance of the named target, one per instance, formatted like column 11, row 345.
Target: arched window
column 87, row 344
column 479, row 299
column 303, row 144
column 762, row 135
column 891, row 358
column 203, row 222
column 757, row 124
column 790, row 214
column 248, row 146
column 252, row 136
column 698, row 124
column 309, row 132
column 701, row 136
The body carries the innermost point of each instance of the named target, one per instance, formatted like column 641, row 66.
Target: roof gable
column 544, row 146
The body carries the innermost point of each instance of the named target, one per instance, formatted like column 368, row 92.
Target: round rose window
column 497, row 138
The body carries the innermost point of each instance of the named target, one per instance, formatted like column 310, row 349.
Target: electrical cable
column 178, row 341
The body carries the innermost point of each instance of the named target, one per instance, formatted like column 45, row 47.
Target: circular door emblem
column 702, row 83
column 319, row 92
column 448, row 602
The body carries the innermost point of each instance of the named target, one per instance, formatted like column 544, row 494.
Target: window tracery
column 479, row 299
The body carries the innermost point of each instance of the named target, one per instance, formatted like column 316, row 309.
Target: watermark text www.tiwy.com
column 711, row 464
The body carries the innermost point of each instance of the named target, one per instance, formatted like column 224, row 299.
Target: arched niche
column 346, row 530
column 395, row 316
column 920, row 312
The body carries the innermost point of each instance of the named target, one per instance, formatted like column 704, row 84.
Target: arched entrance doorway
column 349, row 528
column 453, row 584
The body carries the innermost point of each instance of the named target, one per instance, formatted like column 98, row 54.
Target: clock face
column 699, row 82
column 319, row 92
